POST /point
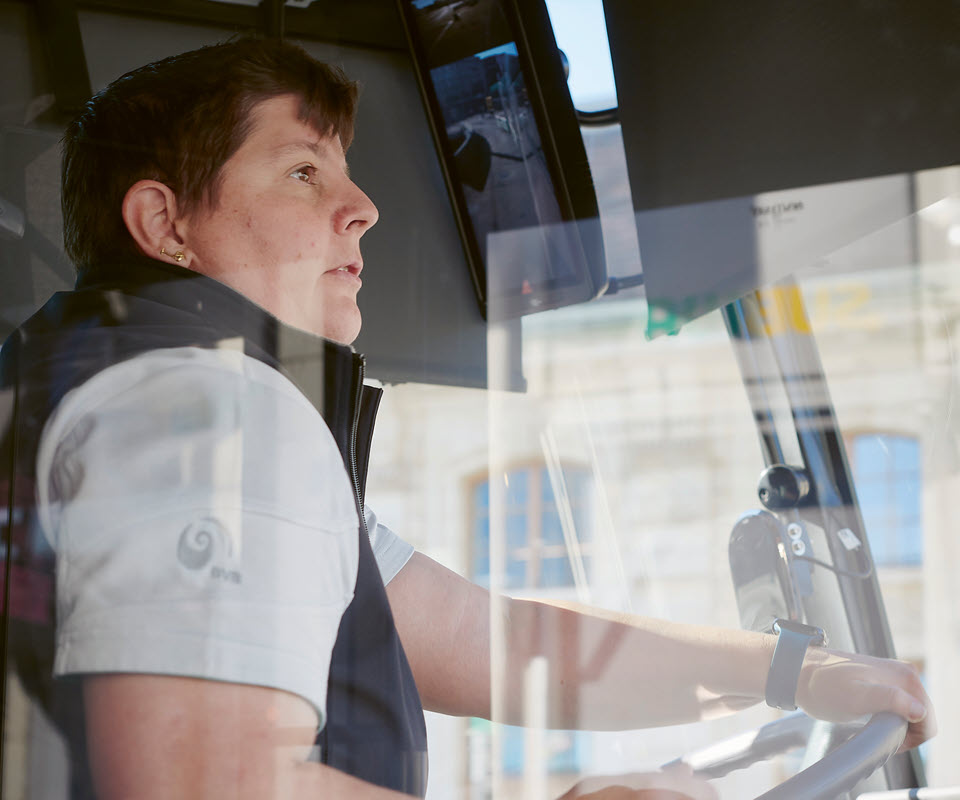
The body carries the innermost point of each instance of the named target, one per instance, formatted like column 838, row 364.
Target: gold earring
column 178, row 256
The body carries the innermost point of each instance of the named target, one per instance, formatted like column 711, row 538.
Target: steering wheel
column 867, row 749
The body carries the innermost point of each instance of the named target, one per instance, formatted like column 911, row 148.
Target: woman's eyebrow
column 295, row 147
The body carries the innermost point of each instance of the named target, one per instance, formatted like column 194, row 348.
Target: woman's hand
column 839, row 687
column 675, row 783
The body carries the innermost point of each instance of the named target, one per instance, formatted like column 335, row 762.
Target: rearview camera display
column 507, row 186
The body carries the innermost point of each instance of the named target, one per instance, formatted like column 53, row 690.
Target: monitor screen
column 513, row 158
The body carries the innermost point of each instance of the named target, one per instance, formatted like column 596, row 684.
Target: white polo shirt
column 203, row 524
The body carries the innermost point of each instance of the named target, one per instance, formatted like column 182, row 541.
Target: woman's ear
column 150, row 213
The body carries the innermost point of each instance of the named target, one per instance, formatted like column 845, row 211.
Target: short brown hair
column 177, row 121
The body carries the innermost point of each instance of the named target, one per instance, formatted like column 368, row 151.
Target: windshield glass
column 740, row 405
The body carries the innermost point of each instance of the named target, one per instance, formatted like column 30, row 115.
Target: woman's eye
column 304, row 174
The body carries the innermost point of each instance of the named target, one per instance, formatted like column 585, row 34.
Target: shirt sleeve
column 390, row 551
column 203, row 523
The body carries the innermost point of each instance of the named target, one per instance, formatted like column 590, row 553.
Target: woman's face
column 286, row 229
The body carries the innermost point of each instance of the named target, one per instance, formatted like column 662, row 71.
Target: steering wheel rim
column 847, row 764
column 837, row 772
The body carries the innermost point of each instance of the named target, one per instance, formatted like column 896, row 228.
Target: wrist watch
column 793, row 639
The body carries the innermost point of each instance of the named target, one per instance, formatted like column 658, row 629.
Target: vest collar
column 218, row 304
column 182, row 307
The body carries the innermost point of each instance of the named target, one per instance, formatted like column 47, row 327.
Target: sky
column 579, row 28
column 581, row 33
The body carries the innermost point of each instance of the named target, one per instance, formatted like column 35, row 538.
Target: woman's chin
column 341, row 324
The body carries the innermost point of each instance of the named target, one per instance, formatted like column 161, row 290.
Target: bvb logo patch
column 202, row 541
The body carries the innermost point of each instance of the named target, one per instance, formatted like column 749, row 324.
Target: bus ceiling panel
column 762, row 137
column 731, row 99
column 363, row 23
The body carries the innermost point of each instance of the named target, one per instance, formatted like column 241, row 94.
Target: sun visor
column 762, row 138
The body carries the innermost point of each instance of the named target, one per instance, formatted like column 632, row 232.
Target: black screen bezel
column 562, row 144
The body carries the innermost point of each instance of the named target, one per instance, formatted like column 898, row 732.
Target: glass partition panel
column 186, row 490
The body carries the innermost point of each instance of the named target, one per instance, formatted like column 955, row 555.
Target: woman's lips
column 348, row 272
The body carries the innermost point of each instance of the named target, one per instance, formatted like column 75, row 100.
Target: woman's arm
column 153, row 737
column 613, row 671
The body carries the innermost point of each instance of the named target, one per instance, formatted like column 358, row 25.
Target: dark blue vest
column 375, row 728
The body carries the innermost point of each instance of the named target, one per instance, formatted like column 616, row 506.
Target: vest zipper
column 354, row 429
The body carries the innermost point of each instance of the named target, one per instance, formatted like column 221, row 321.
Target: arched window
column 538, row 508
column 538, row 555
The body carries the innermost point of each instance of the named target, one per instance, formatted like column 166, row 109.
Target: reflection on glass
column 889, row 485
column 537, row 554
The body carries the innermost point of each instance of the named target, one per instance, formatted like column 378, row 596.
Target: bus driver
column 195, row 422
